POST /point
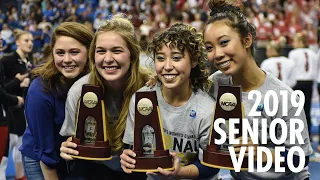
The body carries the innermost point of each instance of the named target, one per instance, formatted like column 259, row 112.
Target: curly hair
column 184, row 37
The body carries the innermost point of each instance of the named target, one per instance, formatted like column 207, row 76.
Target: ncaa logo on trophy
column 90, row 100
column 149, row 144
column 228, row 102
column 145, row 106
column 229, row 107
column 90, row 134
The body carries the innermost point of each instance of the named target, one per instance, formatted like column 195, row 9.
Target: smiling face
column 112, row 57
column 225, row 48
column 173, row 67
column 25, row 43
column 70, row 56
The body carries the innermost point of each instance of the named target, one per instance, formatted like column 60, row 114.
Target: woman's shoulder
column 37, row 90
column 218, row 78
column 8, row 58
column 204, row 103
column 146, row 88
column 36, row 84
column 273, row 83
column 77, row 86
column 204, row 99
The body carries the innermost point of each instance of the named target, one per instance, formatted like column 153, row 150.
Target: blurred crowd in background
column 273, row 18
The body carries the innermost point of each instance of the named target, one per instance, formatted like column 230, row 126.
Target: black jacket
column 12, row 64
column 6, row 99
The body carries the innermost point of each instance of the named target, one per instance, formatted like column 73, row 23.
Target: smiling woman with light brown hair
column 114, row 63
column 67, row 61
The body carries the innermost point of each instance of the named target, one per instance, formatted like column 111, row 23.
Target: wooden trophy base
column 150, row 163
column 101, row 151
column 221, row 160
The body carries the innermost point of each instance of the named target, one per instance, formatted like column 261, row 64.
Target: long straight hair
column 136, row 76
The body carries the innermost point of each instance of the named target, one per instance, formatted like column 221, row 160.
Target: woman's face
column 70, row 56
column 112, row 57
column 25, row 43
column 225, row 48
column 173, row 67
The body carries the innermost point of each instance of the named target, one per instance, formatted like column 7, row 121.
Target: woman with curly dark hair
column 185, row 108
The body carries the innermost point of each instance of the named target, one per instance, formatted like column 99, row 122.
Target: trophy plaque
column 228, row 106
column 91, row 135
column 149, row 144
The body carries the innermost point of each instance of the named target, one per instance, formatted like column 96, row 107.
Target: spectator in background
column 318, row 85
column 4, row 48
column 12, row 22
column 311, row 35
column 37, row 41
column 7, row 34
column 277, row 65
column 14, row 14
column 45, row 36
column 305, row 70
column 26, row 6
column 293, row 28
column 6, row 99
column 146, row 26
column 89, row 25
column 2, row 16
column 16, row 66
column 44, row 23
column 143, row 42
column 97, row 22
column 197, row 23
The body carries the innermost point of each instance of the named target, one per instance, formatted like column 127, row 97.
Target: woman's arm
column 8, row 99
column 48, row 173
column 40, row 112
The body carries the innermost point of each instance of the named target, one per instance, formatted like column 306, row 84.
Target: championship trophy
column 149, row 144
column 91, row 134
column 228, row 106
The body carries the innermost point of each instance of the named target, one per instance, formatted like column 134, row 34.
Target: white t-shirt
column 281, row 68
column 305, row 64
column 270, row 83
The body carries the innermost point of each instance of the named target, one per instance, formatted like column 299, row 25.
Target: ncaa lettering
column 226, row 103
column 145, row 108
column 184, row 145
column 90, row 101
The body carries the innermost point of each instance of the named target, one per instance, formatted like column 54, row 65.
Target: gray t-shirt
column 69, row 124
column 270, row 83
column 186, row 128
